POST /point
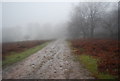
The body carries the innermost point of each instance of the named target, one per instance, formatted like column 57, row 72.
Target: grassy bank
column 15, row 57
column 84, row 53
column 90, row 63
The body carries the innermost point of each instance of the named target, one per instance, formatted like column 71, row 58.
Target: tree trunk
column 84, row 35
column 92, row 30
column 111, row 33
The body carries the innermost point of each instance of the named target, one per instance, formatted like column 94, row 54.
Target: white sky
column 26, row 12
column 59, row 0
column 22, row 12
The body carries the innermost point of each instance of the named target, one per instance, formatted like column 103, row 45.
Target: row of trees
column 87, row 19
column 34, row 31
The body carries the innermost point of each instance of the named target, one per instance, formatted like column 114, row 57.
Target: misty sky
column 37, row 20
column 22, row 13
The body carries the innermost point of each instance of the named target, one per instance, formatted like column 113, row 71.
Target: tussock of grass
column 15, row 57
column 90, row 63
column 105, row 76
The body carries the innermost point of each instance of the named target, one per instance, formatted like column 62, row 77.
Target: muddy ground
column 55, row 61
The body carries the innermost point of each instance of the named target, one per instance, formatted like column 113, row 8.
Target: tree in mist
column 118, row 20
column 27, row 37
column 85, row 17
column 110, row 22
column 76, row 25
column 11, row 34
column 94, row 14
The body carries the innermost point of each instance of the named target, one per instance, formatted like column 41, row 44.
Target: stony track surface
column 55, row 61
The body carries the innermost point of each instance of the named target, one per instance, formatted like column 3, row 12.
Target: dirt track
column 55, row 61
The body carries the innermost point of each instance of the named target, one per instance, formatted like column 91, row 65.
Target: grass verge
column 15, row 57
column 90, row 63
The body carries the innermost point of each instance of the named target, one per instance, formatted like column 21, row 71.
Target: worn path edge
column 55, row 61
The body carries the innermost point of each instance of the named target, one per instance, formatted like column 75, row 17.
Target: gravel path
column 55, row 61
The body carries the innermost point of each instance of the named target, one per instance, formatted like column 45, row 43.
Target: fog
column 94, row 20
column 52, row 20
column 34, row 21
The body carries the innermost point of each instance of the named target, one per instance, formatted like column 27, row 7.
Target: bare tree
column 78, row 24
column 110, row 21
column 85, row 17
column 95, row 11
